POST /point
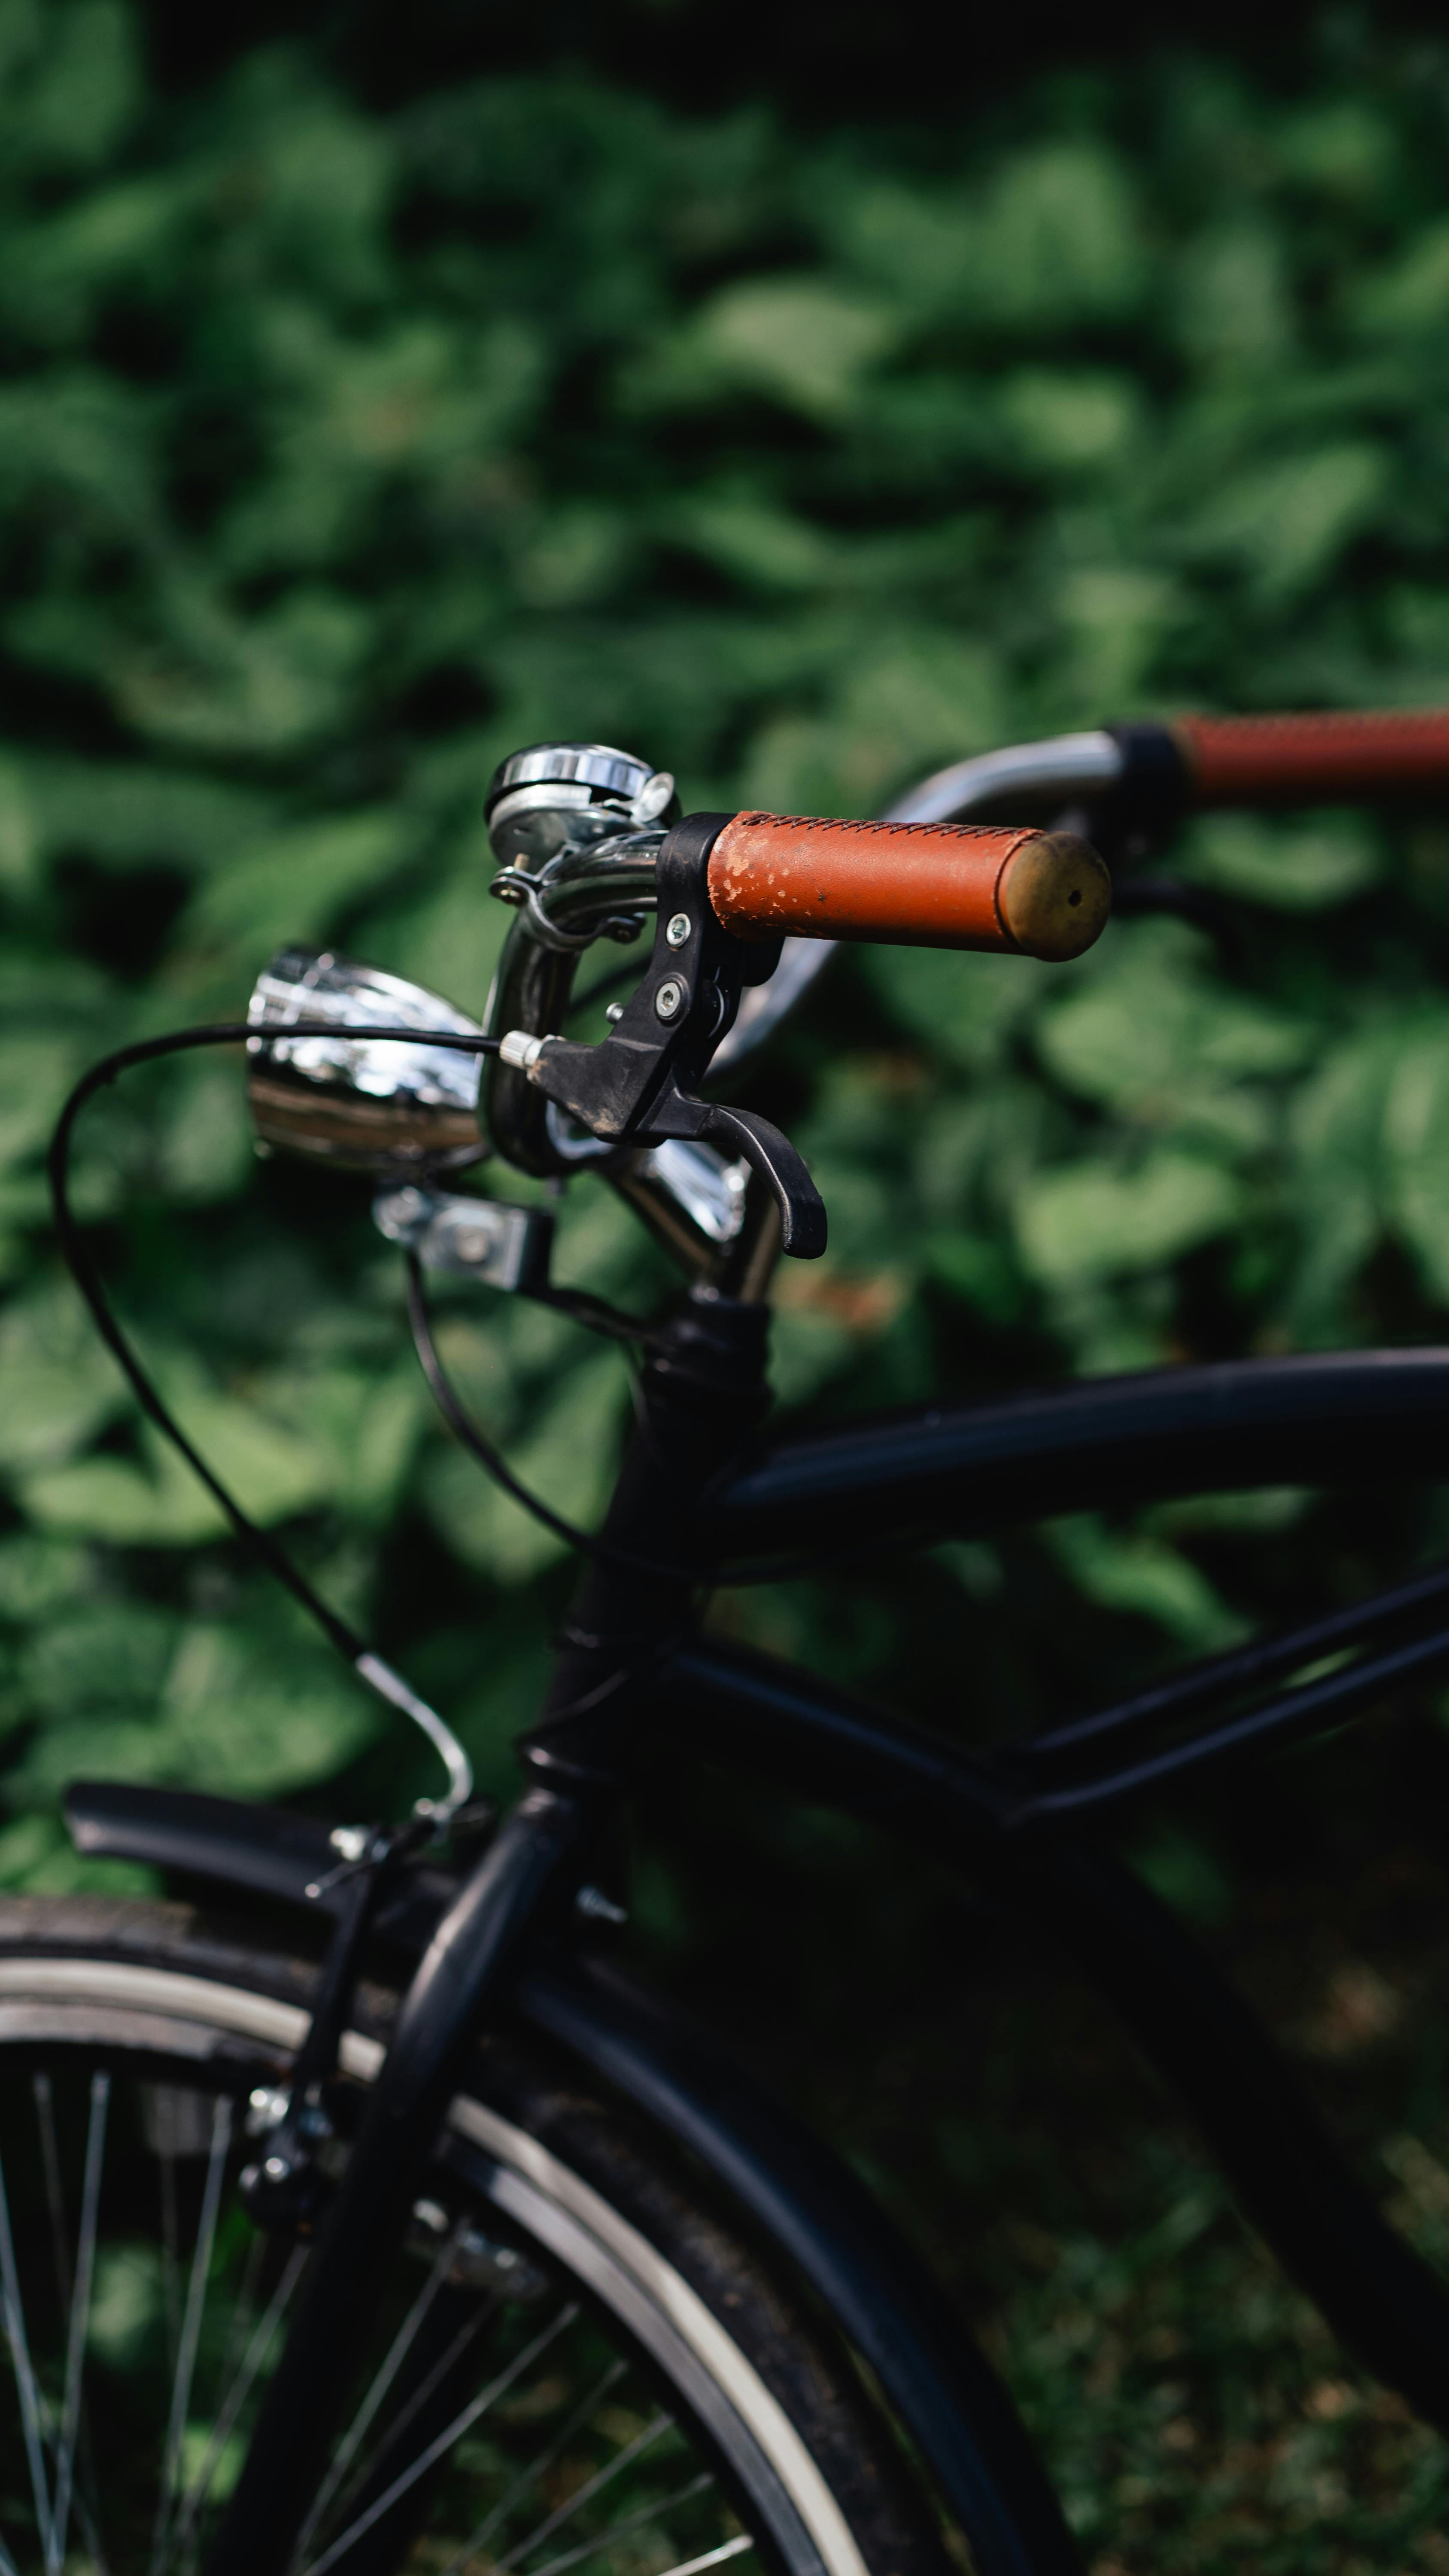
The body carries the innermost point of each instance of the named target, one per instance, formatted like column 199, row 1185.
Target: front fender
column 796, row 2192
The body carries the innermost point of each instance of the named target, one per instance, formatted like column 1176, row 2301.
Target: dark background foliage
column 802, row 406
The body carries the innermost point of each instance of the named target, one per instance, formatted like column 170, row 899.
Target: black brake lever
column 639, row 1085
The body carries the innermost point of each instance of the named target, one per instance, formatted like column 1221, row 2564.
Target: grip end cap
column 1054, row 896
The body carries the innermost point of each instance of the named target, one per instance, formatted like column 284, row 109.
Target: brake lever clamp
column 639, row 1085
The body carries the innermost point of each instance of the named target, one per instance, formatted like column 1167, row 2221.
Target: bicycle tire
column 172, row 2022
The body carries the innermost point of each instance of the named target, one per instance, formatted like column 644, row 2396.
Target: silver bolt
column 349, row 1841
column 596, row 1907
column 677, row 929
column 668, row 999
column 614, row 1011
column 277, row 2169
column 472, row 1244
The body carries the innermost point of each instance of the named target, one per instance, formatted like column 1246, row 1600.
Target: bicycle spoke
column 631, row 2522
column 80, row 2309
column 44, row 2092
column 735, row 2548
column 139, row 2389
column 87, row 2501
column 236, row 2397
column 586, row 2493
column 170, row 2242
column 50, row 2451
column 245, row 2310
column 530, row 2476
column 191, row 2324
column 392, row 2363
column 445, row 2362
column 444, row 2441
column 27, row 2387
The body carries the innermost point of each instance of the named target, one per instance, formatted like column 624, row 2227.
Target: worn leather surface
column 1288, row 759
column 944, row 885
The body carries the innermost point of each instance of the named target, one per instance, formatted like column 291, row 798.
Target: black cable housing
column 77, row 1256
column 479, row 1446
column 583, row 1308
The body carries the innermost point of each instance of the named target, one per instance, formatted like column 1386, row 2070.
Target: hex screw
column 668, row 999
column 676, row 930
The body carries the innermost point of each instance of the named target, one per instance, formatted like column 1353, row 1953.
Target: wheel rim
column 514, row 2477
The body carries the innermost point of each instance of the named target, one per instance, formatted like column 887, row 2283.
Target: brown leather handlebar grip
column 1315, row 759
column 917, row 885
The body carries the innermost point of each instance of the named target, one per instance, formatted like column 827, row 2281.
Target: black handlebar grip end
column 1156, row 784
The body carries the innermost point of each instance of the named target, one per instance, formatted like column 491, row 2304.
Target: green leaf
column 127, row 2319
column 965, row 1008
column 1148, row 1578
column 80, row 82
column 1287, row 869
column 60, row 272
column 1071, row 424
column 58, row 1386
column 1411, row 295
column 109, row 1499
column 1149, row 1036
column 1341, row 1178
column 259, row 690
column 38, row 1578
column 1286, row 524
column 132, row 814
column 205, row 1138
column 1058, row 239
column 565, row 1459
column 805, row 340
column 36, row 1072
column 1232, row 304
column 223, row 1714
column 1416, row 1136
column 102, row 1656
column 1098, row 1220
column 294, row 886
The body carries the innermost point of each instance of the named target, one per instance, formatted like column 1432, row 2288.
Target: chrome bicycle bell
column 558, row 793
column 390, row 1106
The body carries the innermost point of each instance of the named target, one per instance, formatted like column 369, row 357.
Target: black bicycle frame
column 636, row 1682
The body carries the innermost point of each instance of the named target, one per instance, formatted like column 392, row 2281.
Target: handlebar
column 1313, row 759
column 1150, row 774
column 1030, row 893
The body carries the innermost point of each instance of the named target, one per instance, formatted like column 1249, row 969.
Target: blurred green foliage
column 339, row 454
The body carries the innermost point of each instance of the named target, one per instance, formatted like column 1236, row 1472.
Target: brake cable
column 354, row 1649
column 576, row 1303
column 582, row 1308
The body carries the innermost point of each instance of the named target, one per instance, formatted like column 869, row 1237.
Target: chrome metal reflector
column 387, row 1106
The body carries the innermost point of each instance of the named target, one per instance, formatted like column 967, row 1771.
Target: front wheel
column 574, row 2364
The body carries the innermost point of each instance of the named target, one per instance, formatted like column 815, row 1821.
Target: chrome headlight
column 392, row 1106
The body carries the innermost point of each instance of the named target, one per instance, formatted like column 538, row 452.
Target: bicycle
column 449, row 2246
